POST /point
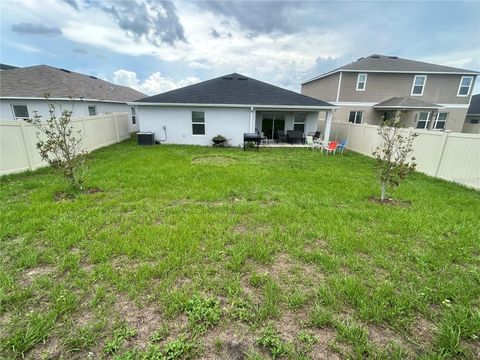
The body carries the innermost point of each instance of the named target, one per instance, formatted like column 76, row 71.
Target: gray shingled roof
column 383, row 63
column 235, row 89
column 406, row 102
column 7, row 67
column 474, row 108
column 36, row 81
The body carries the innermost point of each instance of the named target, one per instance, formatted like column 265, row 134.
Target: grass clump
column 120, row 335
column 271, row 340
column 203, row 312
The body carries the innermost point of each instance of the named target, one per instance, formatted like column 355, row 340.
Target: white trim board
column 260, row 107
column 60, row 99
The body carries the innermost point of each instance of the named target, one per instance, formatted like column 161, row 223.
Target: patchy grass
column 273, row 253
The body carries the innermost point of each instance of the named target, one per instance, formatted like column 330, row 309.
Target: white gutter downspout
column 339, row 84
column 251, row 120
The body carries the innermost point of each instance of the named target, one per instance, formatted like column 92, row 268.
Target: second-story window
column 361, row 82
column 419, row 84
column 465, row 85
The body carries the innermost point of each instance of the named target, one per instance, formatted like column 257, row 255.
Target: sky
column 156, row 46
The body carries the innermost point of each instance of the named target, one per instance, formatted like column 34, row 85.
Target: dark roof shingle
column 36, row 81
column 406, row 102
column 474, row 108
column 234, row 89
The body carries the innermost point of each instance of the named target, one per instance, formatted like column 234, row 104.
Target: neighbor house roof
column 7, row 67
column 406, row 102
column 474, row 108
column 36, row 81
column 235, row 89
column 394, row 64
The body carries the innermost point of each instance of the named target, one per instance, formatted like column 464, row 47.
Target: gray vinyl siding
column 323, row 89
column 439, row 88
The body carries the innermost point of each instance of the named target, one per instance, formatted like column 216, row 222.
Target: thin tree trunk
column 383, row 194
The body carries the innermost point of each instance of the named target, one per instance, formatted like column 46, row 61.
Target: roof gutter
column 409, row 107
column 263, row 107
column 60, row 99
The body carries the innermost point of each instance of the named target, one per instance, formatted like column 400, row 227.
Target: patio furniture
column 294, row 136
column 330, row 148
column 315, row 134
column 251, row 138
column 309, row 141
column 318, row 144
column 280, row 136
column 342, row 146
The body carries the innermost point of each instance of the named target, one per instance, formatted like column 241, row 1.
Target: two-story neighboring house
column 422, row 95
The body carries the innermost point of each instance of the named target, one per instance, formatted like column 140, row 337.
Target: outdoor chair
column 280, row 136
column 342, row 146
column 294, row 135
column 330, row 148
column 318, row 144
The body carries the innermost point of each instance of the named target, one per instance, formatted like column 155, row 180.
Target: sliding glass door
column 271, row 123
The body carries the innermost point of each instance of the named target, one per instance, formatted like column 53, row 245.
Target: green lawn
column 194, row 252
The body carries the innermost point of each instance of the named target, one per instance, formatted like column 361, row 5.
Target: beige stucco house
column 375, row 87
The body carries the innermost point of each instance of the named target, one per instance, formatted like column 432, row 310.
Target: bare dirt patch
column 144, row 319
column 422, row 331
column 390, row 202
column 323, row 349
column 382, row 336
column 51, row 348
column 214, row 160
column 228, row 340
column 29, row 276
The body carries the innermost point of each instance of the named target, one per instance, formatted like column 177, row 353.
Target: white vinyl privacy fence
column 447, row 155
column 18, row 151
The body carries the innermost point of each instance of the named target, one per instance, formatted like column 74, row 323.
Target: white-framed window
column 418, row 85
column 361, row 82
column 474, row 121
column 198, row 123
column 355, row 117
column 92, row 110
column 423, row 120
column 20, row 111
column 465, row 86
column 440, row 121
column 299, row 122
column 134, row 115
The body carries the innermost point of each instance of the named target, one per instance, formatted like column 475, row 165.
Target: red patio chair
column 330, row 148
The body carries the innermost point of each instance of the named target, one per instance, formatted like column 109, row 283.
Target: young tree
column 393, row 161
column 60, row 145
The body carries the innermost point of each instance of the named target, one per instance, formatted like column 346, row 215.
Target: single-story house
column 230, row 106
column 472, row 120
column 23, row 91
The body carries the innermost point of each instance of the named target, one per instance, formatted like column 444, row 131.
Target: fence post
column 444, row 145
column 85, row 141
column 25, row 143
column 115, row 118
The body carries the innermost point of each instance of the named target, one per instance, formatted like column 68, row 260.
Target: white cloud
column 154, row 84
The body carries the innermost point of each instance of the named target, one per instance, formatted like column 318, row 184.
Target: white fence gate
column 447, row 155
column 18, row 138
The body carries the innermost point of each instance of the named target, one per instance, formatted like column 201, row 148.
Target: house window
column 299, row 122
column 198, row 123
column 423, row 120
column 361, row 82
column 440, row 121
column 473, row 121
column 356, row 117
column 465, row 85
column 419, row 84
column 134, row 117
column 92, row 110
column 20, row 112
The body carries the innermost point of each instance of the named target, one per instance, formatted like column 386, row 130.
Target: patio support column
column 252, row 120
column 328, row 125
